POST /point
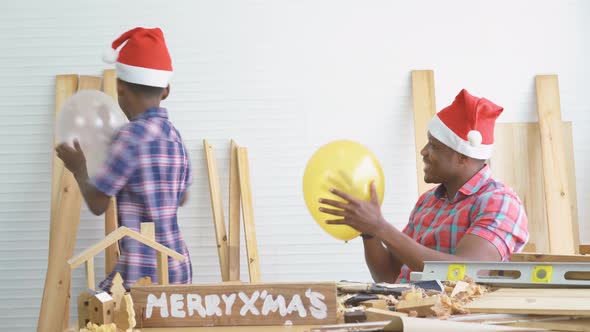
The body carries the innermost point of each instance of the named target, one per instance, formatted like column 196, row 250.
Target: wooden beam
column 162, row 268
column 559, row 216
column 90, row 283
column 518, row 163
column 217, row 209
column 379, row 315
column 424, row 109
column 110, row 83
column 65, row 218
column 546, row 301
column 522, row 257
column 65, row 87
column 148, row 229
column 111, row 255
column 570, row 171
column 248, row 213
column 116, row 236
column 234, row 214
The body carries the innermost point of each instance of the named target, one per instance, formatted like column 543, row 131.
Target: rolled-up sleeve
column 119, row 166
column 500, row 218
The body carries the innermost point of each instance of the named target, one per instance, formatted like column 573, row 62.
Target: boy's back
column 149, row 171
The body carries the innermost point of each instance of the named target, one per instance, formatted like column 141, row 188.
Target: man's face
column 440, row 161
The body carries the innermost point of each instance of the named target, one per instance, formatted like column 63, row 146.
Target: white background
column 282, row 78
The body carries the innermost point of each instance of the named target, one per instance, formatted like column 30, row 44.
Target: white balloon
column 93, row 118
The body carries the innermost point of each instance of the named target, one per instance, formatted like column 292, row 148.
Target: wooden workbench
column 295, row 328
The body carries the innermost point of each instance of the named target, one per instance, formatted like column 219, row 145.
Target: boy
column 147, row 164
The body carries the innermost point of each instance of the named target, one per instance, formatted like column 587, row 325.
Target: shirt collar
column 153, row 112
column 470, row 187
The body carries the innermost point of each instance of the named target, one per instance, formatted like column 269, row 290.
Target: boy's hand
column 73, row 158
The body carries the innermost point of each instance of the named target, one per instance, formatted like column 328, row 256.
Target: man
column 468, row 217
column 147, row 166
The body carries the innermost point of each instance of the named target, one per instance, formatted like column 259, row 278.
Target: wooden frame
column 87, row 256
column 239, row 192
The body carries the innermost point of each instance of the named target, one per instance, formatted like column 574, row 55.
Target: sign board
column 235, row 304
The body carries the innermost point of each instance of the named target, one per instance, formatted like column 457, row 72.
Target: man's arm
column 469, row 248
column 366, row 217
column 384, row 266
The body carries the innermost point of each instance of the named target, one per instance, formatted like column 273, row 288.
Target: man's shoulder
column 497, row 189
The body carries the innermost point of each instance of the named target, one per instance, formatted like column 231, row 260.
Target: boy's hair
column 146, row 90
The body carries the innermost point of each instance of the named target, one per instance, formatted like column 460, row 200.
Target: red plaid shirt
column 482, row 207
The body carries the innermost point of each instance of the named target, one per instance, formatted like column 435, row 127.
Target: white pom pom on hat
column 474, row 138
column 110, row 55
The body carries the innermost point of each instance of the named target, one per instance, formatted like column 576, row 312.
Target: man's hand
column 73, row 158
column 363, row 216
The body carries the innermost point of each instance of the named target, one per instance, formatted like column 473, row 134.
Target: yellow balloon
column 344, row 165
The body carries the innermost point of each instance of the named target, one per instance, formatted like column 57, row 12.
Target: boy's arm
column 96, row 200
column 184, row 198
column 75, row 162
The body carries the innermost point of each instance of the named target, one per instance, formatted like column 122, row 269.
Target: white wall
column 281, row 77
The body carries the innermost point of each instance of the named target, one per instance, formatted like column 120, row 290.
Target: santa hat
column 467, row 125
column 141, row 57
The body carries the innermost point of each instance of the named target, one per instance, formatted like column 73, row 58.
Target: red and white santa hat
column 140, row 56
column 467, row 125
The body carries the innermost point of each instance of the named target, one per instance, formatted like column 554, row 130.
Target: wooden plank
column 283, row 328
column 568, row 150
column 222, row 305
column 522, row 257
column 65, row 218
column 65, row 87
column 533, row 301
column 559, row 216
column 90, row 273
column 379, row 315
column 248, row 213
column 109, row 86
column 116, row 236
column 423, row 306
column 521, row 142
column 148, row 229
column 110, row 83
column 163, row 277
column 576, row 324
column 217, row 209
column 424, row 106
column 234, row 214
column 110, row 225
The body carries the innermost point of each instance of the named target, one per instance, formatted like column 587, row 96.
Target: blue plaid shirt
column 148, row 169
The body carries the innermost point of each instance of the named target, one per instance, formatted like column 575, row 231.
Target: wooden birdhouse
column 84, row 309
column 101, row 309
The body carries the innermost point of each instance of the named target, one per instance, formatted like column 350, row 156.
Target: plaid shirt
column 148, row 169
column 482, row 207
